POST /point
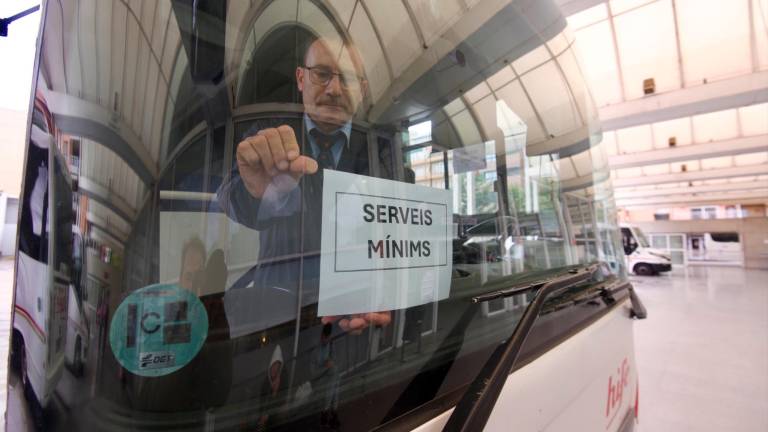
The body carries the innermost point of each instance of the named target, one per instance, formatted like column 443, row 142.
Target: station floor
column 702, row 353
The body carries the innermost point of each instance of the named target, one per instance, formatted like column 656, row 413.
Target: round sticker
column 158, row 329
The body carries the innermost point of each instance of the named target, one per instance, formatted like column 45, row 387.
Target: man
column 326, row 377
column 192, row 263
column 276, row 187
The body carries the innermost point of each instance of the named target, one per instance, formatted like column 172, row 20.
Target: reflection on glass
column 184, row 143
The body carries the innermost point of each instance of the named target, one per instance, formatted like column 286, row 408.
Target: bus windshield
column 286, row 208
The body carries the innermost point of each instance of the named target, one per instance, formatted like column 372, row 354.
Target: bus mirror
column 202, row 27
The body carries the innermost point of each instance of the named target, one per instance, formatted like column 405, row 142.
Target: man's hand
column 272, row 156
column 355, row 324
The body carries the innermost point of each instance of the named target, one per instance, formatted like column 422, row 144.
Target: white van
column 642, row 259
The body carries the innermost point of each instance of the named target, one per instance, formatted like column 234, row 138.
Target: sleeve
column 236, row 202
column 281, row 198
column 278, row 201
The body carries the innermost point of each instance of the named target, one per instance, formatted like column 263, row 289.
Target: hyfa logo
column 616, row 386
column 154, row 360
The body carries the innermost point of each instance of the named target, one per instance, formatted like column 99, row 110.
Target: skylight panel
column 621, row 6
column 714, row 38
column 754, row 119
column 679, row 129
column 588, row 16
column 634, row 139
column 718, row 162
column 715, row 126
column 397, row 33
column 551, row 98
column 594, row 46
column 647, row 48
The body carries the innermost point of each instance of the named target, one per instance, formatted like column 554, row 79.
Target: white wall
column 752, row 231
column 12, row 133
column 8, row 224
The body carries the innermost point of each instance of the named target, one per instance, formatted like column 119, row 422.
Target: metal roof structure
column 708, row 61
column 701, row 136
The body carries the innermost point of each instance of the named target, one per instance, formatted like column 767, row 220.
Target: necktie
column 325, row 156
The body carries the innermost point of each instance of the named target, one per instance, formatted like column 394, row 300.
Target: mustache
column 332, row 101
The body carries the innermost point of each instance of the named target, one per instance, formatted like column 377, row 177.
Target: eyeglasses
column 322, row 76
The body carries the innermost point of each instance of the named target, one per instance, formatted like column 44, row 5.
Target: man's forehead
column 333, row 54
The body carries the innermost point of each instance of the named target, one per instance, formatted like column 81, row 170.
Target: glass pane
column 589, row 16
column 597, row 54
column 678, row 257
column 659, row 241
column 715, row 126
column 709, row 56
column 552, row 99
column 680, row 129
column 281, row 215
column 648, row 54
column 676, row 242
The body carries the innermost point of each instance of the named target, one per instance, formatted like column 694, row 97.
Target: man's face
column 333, row 104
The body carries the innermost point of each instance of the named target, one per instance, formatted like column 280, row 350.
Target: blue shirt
column 338, row 143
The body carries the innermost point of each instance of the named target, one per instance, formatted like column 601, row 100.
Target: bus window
column 289, row 209
column 630, row 244
column 725, row 237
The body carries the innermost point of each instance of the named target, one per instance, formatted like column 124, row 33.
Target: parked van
column 642, row 259
column 324, row 215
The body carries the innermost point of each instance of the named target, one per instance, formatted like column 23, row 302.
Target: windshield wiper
column 474, row 408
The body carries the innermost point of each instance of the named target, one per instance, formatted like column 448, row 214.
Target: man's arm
column 242, row 207
column 263, row 184
column 236, row 202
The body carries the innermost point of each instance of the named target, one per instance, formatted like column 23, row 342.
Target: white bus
column 220, row 305
column 720, row 246
column 44, row 262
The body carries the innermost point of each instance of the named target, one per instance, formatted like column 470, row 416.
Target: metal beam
column 691, row 190
column 103, row 225
column 750, row 197
column 571, row 143
column 583, row 182
column 76, row 116
column 483, row 21
column 570, row 7
column 730, row 147
column 710, row 174
column 715, row 96
column 616, row 52
column 101, row 234
column 107, row 198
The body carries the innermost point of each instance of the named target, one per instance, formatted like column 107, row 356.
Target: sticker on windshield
column 158, row 329
column 386, row 245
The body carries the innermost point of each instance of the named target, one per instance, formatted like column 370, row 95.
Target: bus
column 44, row 262
column 332, row 215
column 716, row 246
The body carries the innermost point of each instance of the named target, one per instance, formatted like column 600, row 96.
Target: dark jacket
column 289, row 245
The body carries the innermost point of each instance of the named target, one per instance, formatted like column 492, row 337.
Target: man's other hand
column 355, row 324
column 270, row 156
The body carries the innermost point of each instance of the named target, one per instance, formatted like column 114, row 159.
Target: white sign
column 386, row 245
